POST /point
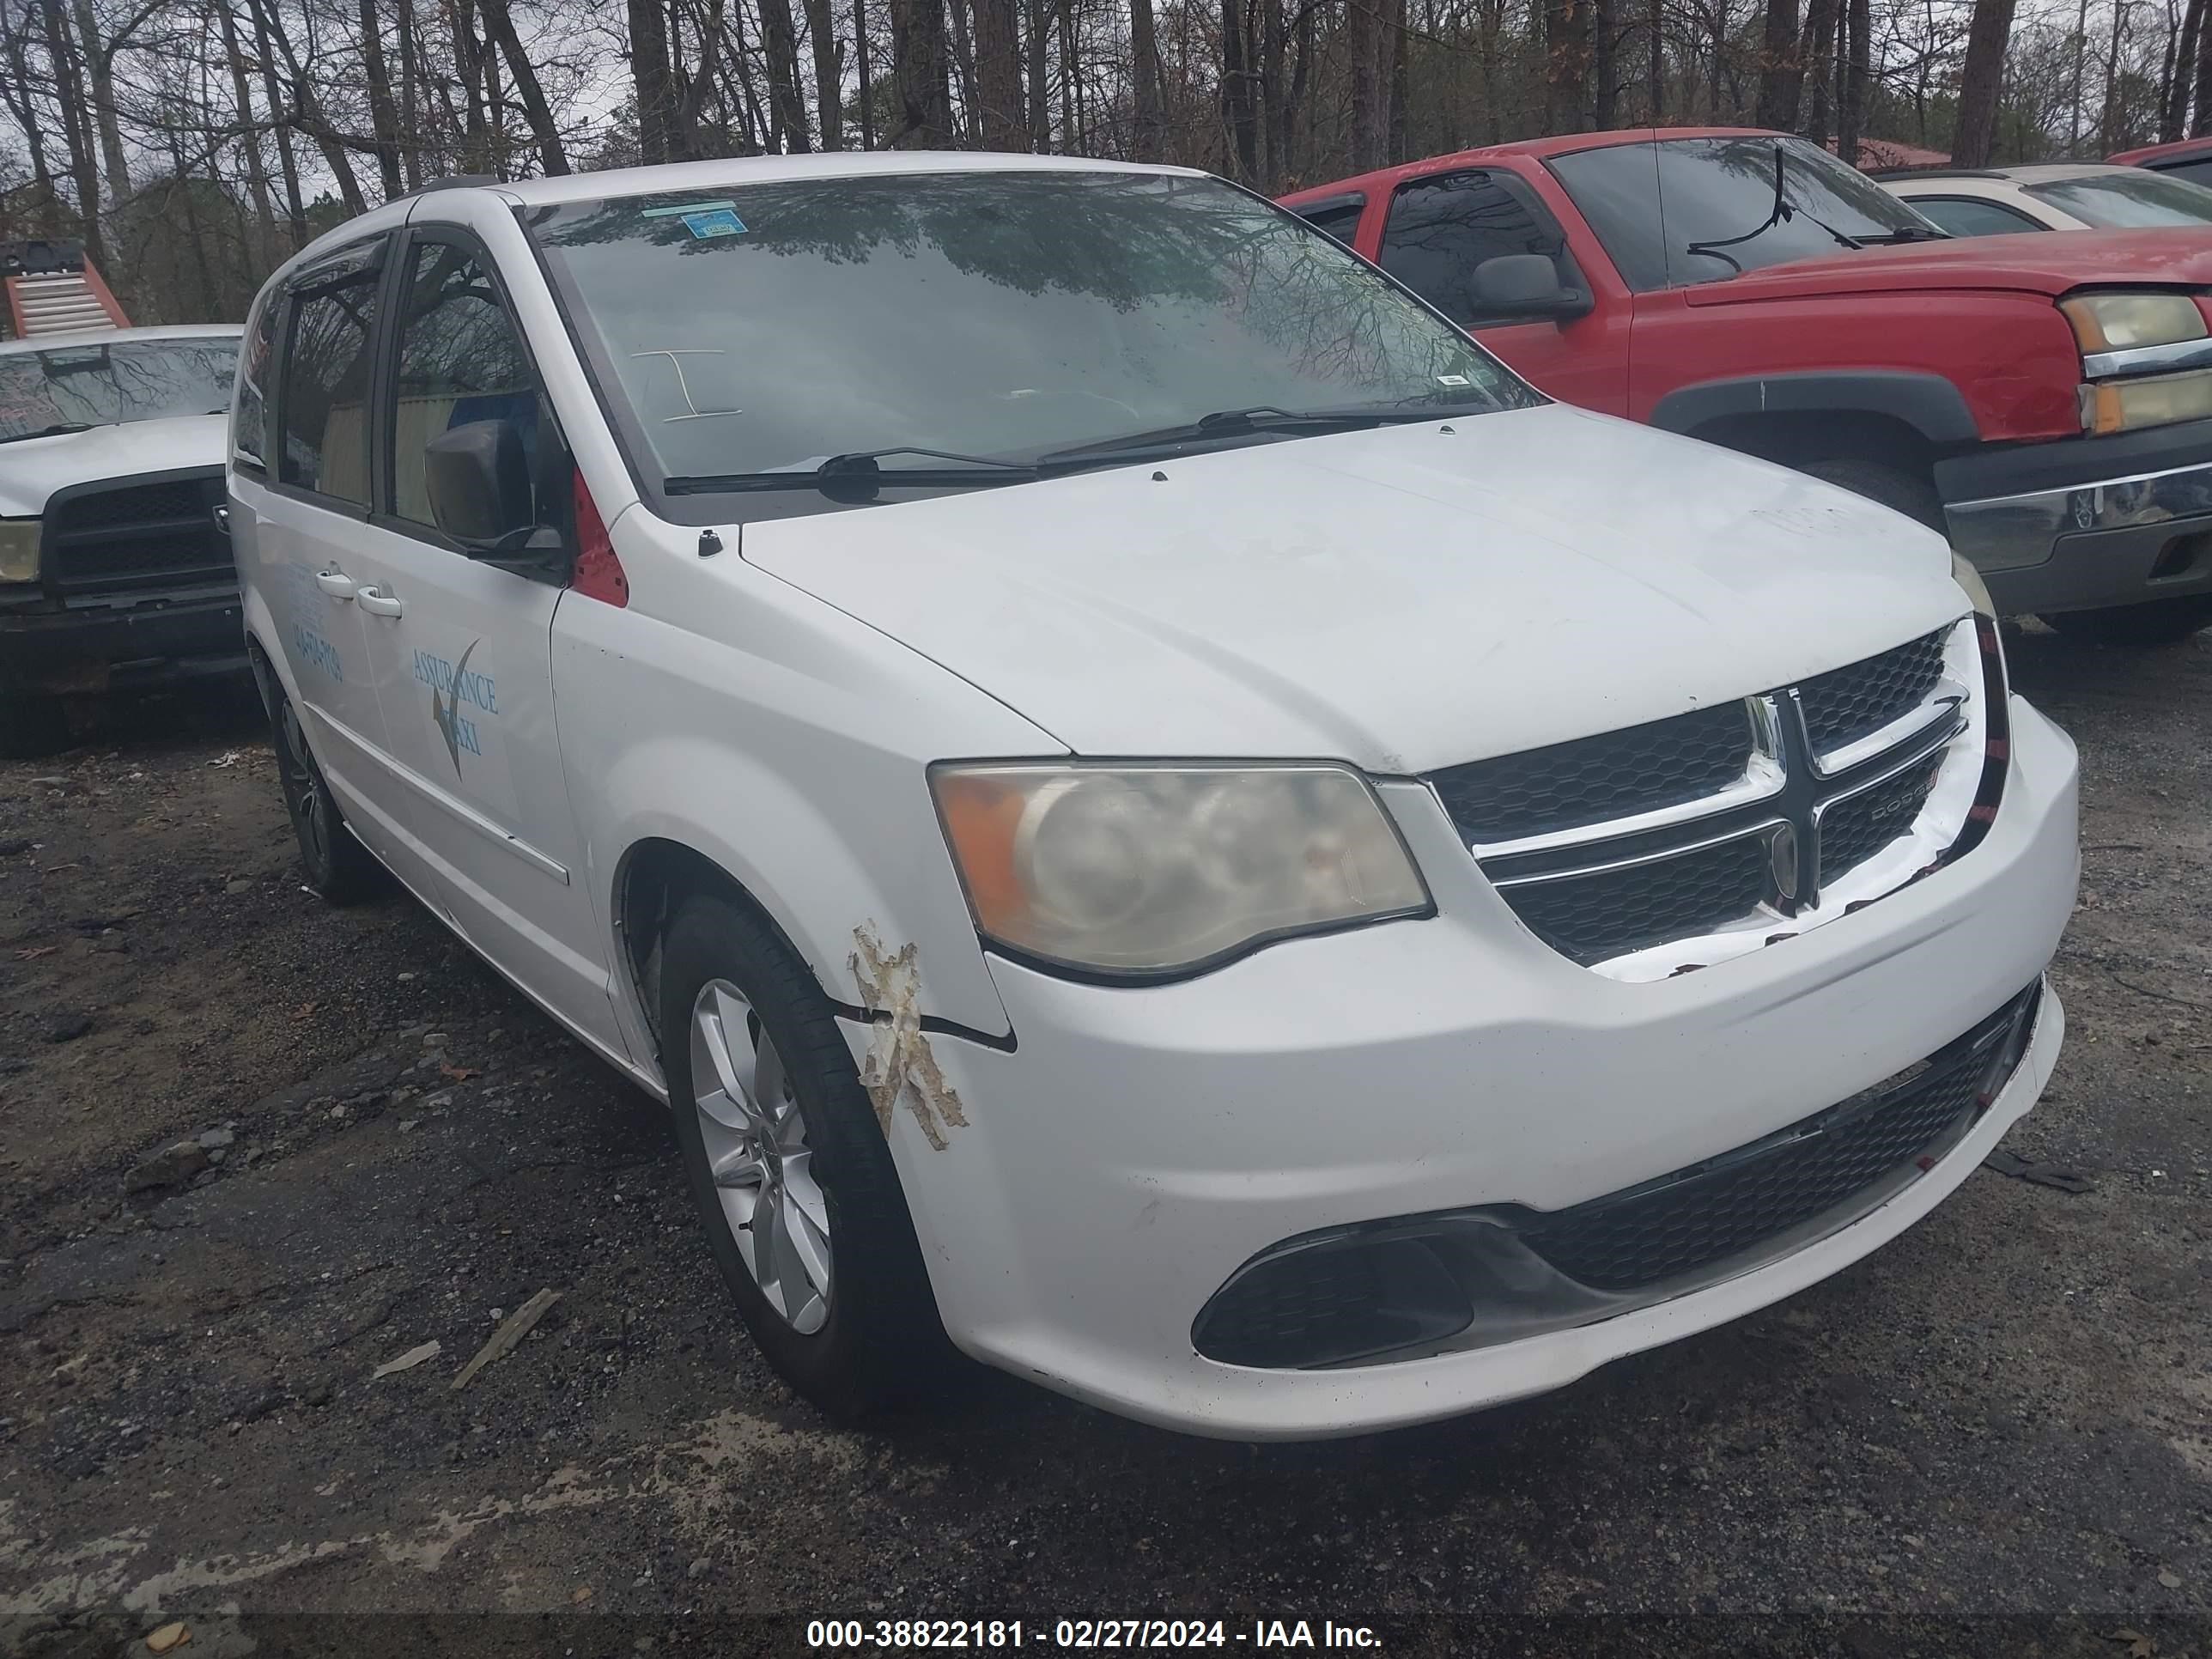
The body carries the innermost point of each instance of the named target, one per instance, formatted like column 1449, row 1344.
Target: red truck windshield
column 1687, row 211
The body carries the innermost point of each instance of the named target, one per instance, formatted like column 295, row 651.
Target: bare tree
column 1979, row 79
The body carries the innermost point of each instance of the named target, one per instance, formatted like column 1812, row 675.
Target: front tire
column 791, row 1175
column 2161, row 622
column 339, row 868
column 1910, row 493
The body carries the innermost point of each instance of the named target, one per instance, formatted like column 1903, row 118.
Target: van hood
column 32, row 468
column 2035, row 262
column 1403, row 599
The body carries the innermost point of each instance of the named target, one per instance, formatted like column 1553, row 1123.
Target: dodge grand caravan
column 1150, row 807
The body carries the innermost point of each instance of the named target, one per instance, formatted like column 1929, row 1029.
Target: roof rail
column 53, row 289
column 455, row 181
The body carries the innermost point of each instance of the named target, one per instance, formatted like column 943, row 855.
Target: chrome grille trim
column 1788, row 789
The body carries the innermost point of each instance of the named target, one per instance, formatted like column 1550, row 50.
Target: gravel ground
column 1995, row 1435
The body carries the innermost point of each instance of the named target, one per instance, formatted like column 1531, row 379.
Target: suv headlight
column 19, row 549
column 1147, row 871
column 2130, row 343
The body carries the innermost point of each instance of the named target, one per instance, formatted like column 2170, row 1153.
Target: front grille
column 1858, row 826
column 1852, row 702
column 156, row 534
column 1609, row 914
column 1704, row 825
column 1699, row 1217
column 1615, row 775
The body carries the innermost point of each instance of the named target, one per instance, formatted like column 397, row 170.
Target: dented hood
column 1403, row 599
column 32, row 468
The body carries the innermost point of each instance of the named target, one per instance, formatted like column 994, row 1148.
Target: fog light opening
column 1332, row 1303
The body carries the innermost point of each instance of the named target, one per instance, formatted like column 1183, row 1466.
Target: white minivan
column 1150, row 809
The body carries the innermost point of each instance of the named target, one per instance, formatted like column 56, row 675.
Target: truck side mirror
column 1525, row 285
column 477, row 477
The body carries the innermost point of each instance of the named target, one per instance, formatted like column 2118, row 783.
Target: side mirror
column 478, row 477
column 1525, row 285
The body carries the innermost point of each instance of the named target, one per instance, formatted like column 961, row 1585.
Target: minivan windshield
column 982, row 319
column 67, row 388
column 2128, row 198
column 1687, row 211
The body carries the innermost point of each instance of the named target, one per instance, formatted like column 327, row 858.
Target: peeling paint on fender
column 900, row 1065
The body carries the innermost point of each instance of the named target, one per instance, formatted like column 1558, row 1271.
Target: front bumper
column 1140, row 1145
column 89, row 646
column 2086, row 522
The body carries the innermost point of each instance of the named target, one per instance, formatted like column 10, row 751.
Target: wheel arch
column 783, row 862
column 1893, row 414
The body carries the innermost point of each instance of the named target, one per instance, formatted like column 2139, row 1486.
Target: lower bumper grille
column 1695, row 1218
column 1468, row 1279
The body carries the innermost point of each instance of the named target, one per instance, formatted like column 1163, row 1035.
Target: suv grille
column 126, row 536
column 1719, row 819
column 1851, row 704
column 1590, row 780
column 1696, row 1218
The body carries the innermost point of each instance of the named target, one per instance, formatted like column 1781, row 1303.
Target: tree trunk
column 249, row 137
column 100, row 60
column 2111, row 118
column 500, row 24
column 2200, row 123
column 867, row 82
column 920, row 77
column 1605, row 64
column 1566, row 65
column 1781, row 68
column 1394, row 123
column 1147, row 140
column 787, row 105
column 1237, row 112
column 411, row 113
column 829, row 73
column 1819, row 56
column 1850, row 108
column 383, row 116
column 1656, row 65
column 272, row 94
column 1980, row 81
column 15, row 92
column 1000, row 122
column 76, row 128
column 1039, row 74
column 650, row 77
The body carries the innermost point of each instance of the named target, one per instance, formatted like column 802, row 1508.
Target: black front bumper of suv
column 136, row 587
column 2082, row 522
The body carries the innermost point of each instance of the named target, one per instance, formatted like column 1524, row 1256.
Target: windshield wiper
column 860, row 473
column 1258, row 420
column 1907, row 233
column 53, row 431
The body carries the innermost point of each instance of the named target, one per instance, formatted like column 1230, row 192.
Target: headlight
column 1141, row 871
column 2120, row 322
column 2155, row 400
column 19, row 549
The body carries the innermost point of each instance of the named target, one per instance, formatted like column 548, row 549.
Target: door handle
column 377, row 602
column 336, row 583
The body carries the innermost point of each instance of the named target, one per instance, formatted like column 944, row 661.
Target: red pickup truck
column 2045, row 400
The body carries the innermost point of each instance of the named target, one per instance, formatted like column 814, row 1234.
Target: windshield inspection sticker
column 703, row 219
column 715, row 221
column 1453, row 380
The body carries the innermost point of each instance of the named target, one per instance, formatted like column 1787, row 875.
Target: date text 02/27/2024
column 1085, row 1633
